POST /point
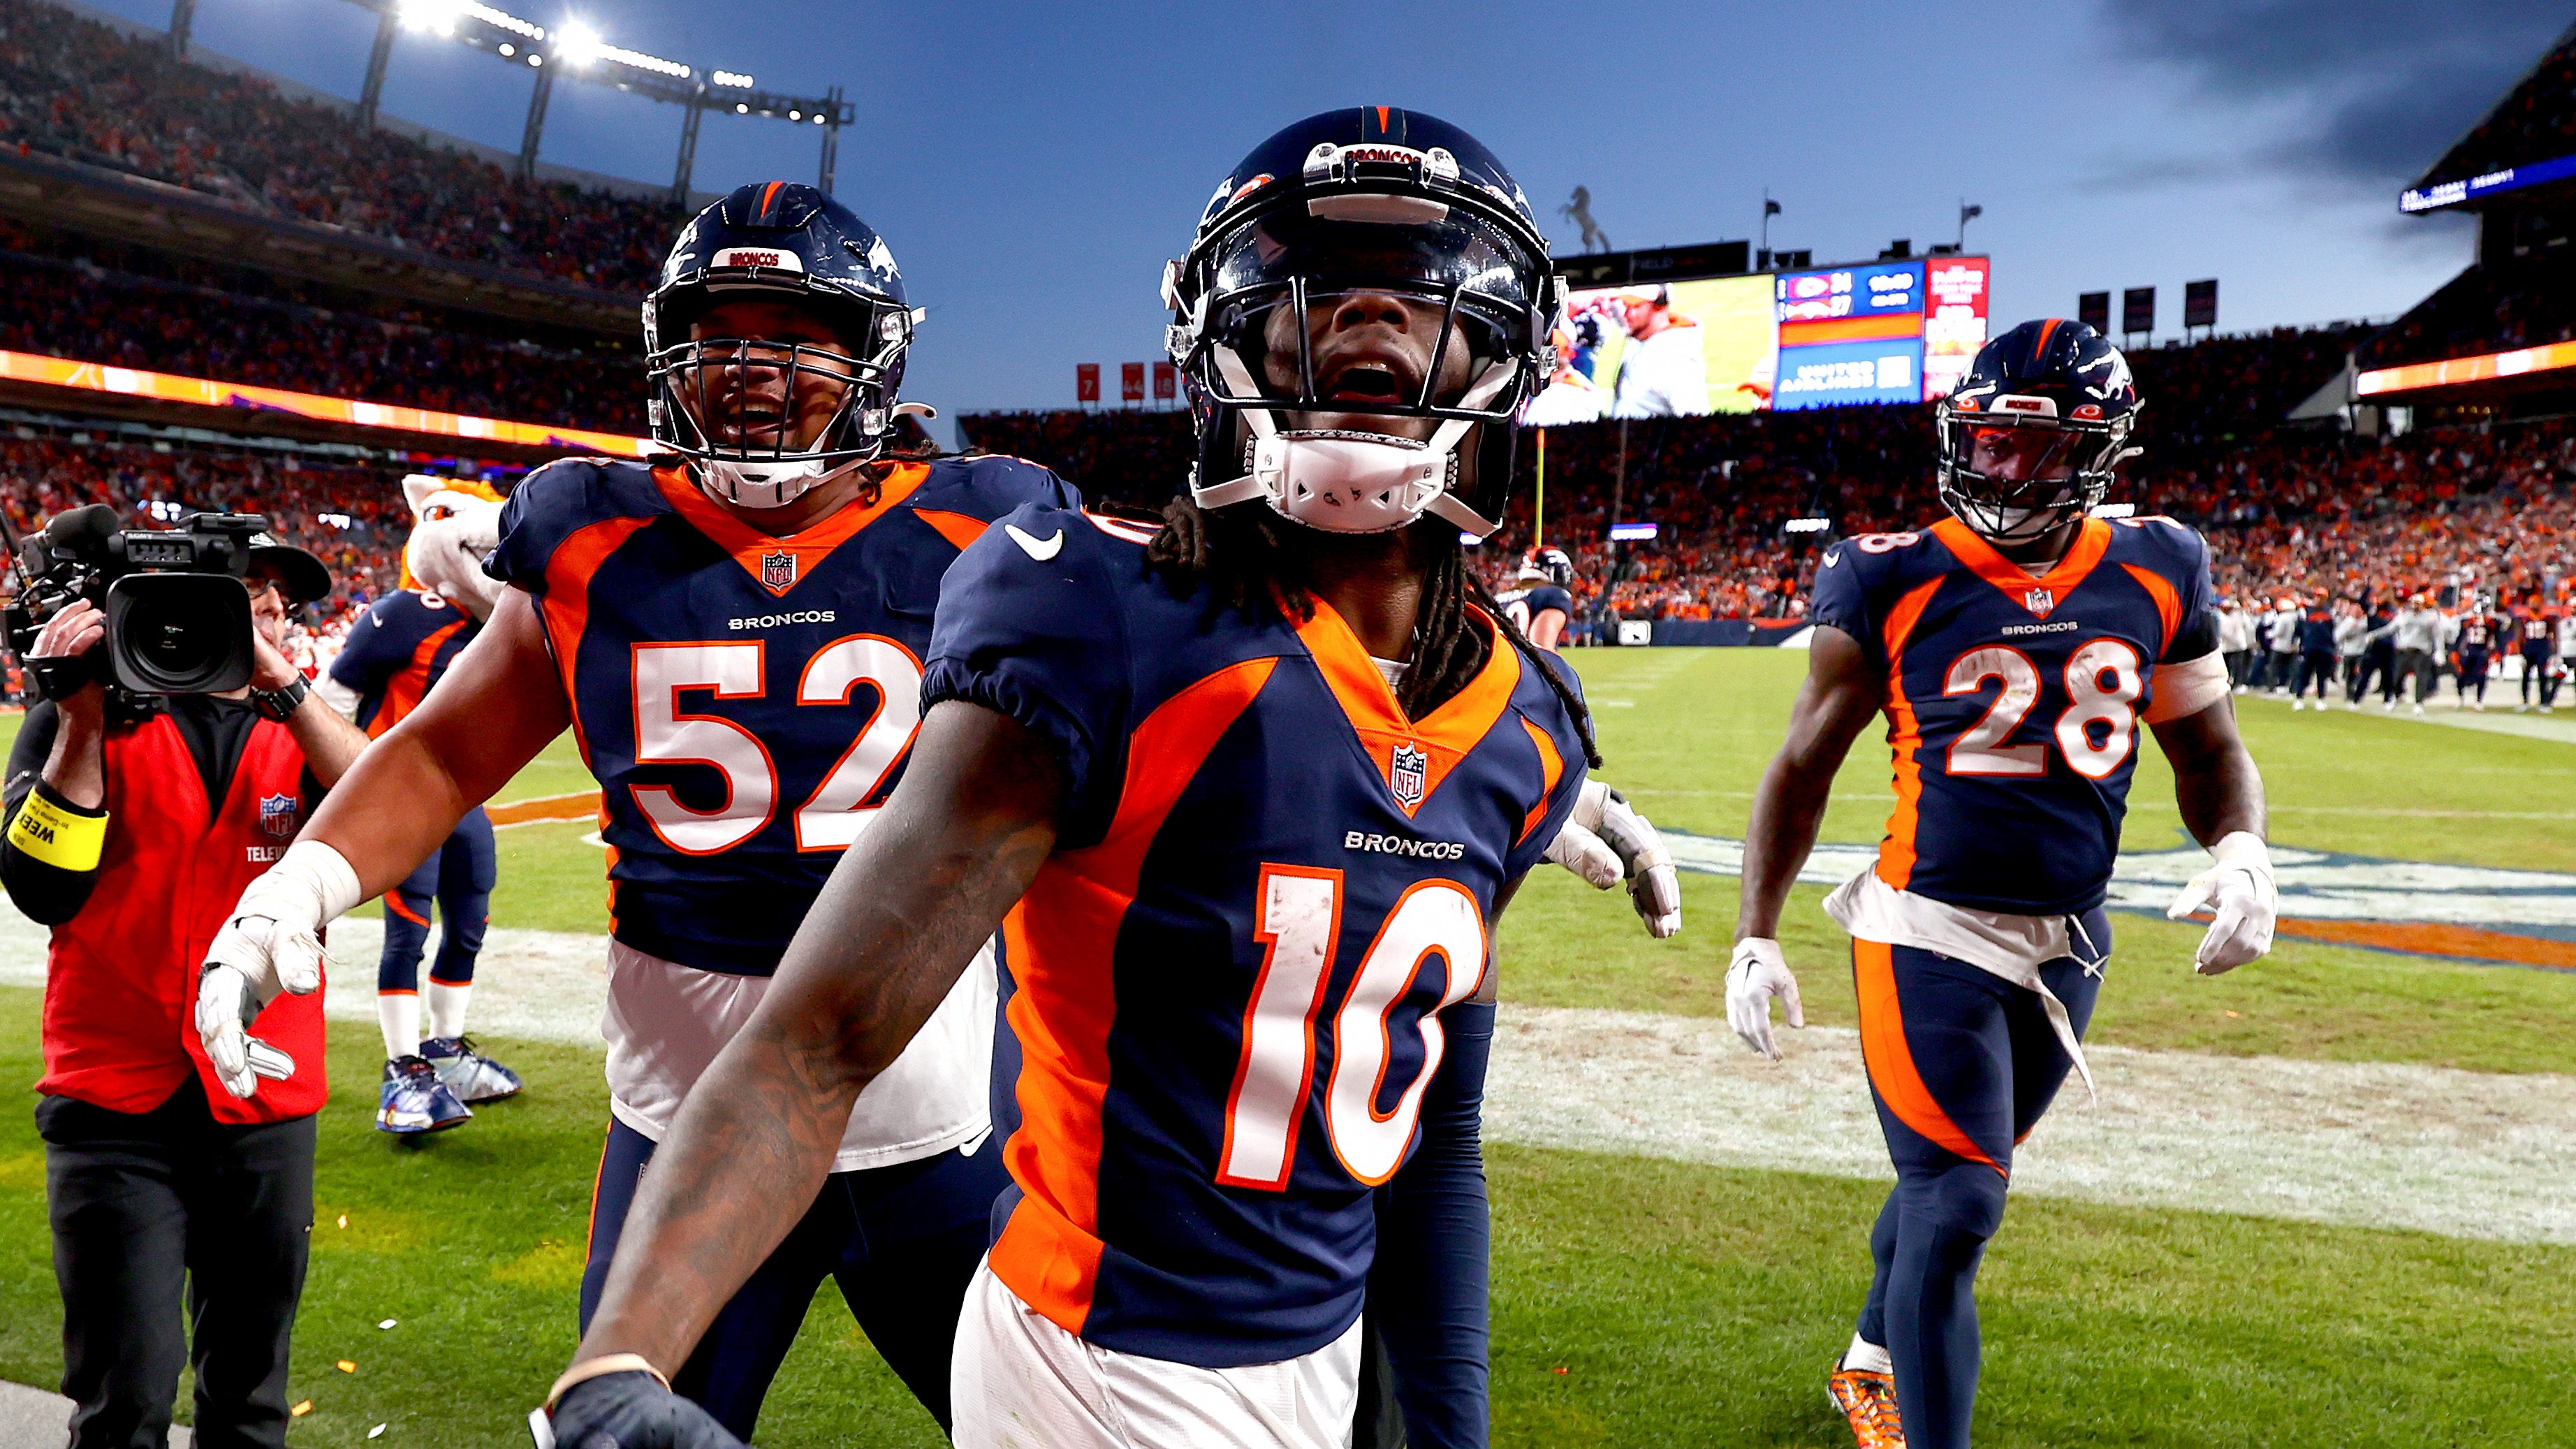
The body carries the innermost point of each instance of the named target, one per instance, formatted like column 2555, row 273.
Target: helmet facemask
column 768, row 420
column 2015, row 473
column 1361, row 336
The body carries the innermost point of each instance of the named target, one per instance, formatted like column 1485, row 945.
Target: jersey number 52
column 830, row 818
column 1298, row 920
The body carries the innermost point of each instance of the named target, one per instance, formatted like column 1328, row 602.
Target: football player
column 2535, row 631
column 1541, row 599
column 2015, row 649
column 735, row 635
column 2473, row 642
column 1245, row 793
column 396, row 652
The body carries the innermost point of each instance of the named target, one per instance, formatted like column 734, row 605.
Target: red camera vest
column 121, row 977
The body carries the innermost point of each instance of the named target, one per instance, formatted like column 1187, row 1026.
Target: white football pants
column 1020, row 1382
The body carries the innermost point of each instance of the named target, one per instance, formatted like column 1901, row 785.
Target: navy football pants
column 459, row 881
column 1961, row 1064
column 900, row 1241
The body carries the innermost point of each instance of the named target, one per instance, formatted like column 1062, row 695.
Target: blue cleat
column 415, row 1100
column 472, row 1076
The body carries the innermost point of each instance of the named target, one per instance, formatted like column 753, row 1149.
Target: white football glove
column 2237, row 890
column 1606, row 841
column 1756, row 974
column 271, row 944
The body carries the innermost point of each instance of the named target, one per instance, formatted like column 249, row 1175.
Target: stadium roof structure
column 93, row 389
column 2526, row 139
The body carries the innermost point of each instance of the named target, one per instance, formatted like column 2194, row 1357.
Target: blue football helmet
column 712, row 397
column 1375, row 201
column 2032, row 436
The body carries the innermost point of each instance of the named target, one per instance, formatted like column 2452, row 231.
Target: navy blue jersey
column 2013, row 701
column 2537, row 630
column 397, row 650
column 2316, row 630
column 2477, row 633
column 1267, row 886
column 1523, row 605
column 744, row 701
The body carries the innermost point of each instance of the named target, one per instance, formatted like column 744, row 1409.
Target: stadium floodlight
column 731, row 78
column 742, row 108
column 2115, row 510
column 1807, row 525
column 576, row 44
column 501, row 20
column 427, row 16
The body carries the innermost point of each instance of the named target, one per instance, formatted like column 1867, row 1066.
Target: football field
column 2330, row 1197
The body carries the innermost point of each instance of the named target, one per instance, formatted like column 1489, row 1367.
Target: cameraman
column 132, row 825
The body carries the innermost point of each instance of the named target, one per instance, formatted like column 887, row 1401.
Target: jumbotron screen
column 1887, row 332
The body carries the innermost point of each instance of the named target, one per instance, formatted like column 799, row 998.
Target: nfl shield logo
column 777, row 570
column 277, row 815
column 1404, row 774
column 2039, row 601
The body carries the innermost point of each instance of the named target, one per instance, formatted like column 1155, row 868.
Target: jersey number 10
column 1298, row 922
column 831, row 817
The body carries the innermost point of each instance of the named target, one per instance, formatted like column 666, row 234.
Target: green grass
column 1686, row 1304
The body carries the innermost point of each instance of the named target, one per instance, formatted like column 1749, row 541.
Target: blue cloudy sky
column 1033, row 163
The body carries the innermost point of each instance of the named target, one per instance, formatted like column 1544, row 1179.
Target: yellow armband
column 54, row 833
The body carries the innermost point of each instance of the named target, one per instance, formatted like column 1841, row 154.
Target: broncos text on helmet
column 2030, row 438
column 712, row 397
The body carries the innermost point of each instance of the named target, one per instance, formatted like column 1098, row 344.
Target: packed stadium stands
column 2286, row 508
column 2484, row 309
column 179, row 316
column 74, row 88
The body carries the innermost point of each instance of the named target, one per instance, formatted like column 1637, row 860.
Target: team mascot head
column 455, row 522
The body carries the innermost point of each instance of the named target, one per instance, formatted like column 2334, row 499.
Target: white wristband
column 2243, row 850
column 311, row 885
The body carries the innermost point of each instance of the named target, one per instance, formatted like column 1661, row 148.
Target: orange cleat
column 1868, row 1401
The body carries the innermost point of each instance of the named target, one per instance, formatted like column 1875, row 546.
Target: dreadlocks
column 1254, row 561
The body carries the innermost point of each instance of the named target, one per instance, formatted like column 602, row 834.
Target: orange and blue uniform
column 746, row 702
column 2014, row 704
column 1248, row 965
column 396, row 652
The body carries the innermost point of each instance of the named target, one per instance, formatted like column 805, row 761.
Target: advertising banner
column 1954, row 320
column 1839, row 374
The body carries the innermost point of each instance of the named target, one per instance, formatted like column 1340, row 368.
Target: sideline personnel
column 133, row 824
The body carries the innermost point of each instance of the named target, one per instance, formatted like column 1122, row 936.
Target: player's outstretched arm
column 495, row 708
column 899, row 920
column 2220, row 794
column 1842, row 694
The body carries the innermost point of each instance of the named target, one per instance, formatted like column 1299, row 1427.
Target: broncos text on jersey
column 744, row 701
column 1268, row 884
column 2014, row 701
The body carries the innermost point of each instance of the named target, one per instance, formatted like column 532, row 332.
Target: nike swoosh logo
column 1040, row 549
column 1832, row 559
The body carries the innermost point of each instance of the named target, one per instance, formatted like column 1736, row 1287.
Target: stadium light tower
column 577, row 48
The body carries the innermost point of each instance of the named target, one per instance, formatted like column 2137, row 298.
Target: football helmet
column 1548, row 564
column 1366, row 203
column 787, row 242
column 2030, row 438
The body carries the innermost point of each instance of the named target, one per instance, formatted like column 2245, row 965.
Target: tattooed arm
column 898, row 922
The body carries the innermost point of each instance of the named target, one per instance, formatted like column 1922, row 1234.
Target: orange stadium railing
column 2483, row 368
column 63, row 372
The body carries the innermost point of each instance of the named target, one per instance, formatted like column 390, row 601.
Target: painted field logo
column 1404, row 774
column 277, row 815
column 777, row 570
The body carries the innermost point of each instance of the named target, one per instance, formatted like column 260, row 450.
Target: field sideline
column 1639, row 1299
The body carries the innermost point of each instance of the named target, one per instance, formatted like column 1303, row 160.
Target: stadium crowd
column 81, row 310
column 2289, row 510
column 75, row 88
column 2484, row 309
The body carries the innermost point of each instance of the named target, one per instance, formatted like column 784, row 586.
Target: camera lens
column 179, row 633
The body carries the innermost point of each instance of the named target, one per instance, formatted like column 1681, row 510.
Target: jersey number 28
column 1298, row 920
column 830, row 818
column 2103, row 683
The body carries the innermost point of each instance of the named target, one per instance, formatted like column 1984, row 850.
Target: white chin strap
column 768, row 485
column 1351, row 482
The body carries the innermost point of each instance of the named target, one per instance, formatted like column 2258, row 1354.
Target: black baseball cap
column 306, row 578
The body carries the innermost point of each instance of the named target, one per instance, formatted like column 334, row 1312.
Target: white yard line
column 2464, row 1154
